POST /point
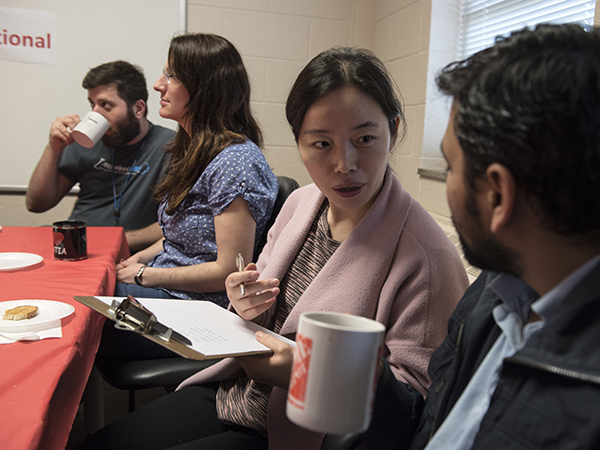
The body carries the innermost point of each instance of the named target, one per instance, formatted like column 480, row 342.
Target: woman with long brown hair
column 219, row 191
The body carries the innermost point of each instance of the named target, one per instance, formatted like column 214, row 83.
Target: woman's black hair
column 345, row 67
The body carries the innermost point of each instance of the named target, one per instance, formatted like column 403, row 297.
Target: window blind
column 484, row 20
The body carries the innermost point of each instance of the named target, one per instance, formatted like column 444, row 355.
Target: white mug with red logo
column 334, row 372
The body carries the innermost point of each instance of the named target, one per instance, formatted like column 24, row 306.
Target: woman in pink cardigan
column 353, row 242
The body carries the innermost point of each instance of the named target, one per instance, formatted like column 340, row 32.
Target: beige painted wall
column 13, row 211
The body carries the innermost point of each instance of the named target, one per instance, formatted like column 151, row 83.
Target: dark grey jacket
column 548, row 396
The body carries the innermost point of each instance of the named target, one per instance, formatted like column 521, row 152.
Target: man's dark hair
column 127, row 78
column 532, row 103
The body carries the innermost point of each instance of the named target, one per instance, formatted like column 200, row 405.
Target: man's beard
column 123, row 132
column 484, row 250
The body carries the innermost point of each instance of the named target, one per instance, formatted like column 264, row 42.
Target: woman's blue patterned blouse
column 240, row 170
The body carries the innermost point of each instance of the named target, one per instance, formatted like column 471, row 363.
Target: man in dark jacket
column 520, row 367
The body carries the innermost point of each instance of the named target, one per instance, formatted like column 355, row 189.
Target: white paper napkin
column 50, row 330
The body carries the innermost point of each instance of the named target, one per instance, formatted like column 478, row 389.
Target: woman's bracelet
column 138, row 276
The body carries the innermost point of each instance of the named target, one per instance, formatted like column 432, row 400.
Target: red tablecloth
column 41, row 382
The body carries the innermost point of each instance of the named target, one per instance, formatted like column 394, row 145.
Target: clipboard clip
column 129, row 314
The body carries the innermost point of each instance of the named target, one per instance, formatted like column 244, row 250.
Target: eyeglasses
column 168, row 76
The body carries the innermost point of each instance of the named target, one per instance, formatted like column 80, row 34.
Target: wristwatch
column 138, row 276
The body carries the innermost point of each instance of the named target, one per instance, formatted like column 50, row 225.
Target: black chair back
column 287, row 185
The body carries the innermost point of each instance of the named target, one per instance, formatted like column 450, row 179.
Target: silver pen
column 240, row 266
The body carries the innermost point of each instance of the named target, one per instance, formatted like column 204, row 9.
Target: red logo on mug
column 58, row 238
column 297, row 391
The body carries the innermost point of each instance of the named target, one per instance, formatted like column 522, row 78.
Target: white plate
column 12, row 261
column 48, row 311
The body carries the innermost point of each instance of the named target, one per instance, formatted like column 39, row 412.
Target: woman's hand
column 133, row 259
column 127, row 269
column 272, row 370
column 258, row 297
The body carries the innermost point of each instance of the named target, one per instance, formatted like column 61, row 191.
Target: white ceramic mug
column 333, row 380
column 91, row 128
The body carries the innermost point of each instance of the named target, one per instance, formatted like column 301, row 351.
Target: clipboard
column 129, row 314
column 146, row 325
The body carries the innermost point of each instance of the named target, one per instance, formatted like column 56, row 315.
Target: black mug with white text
column 70, row 240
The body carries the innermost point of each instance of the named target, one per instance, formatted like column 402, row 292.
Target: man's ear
column 501, row 195
column 139, row 108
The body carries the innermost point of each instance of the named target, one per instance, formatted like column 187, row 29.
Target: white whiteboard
column 89, row 33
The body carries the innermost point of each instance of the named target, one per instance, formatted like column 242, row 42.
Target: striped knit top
column 240, row 400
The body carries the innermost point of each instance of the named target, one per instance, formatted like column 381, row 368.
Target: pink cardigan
column 397, row 267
